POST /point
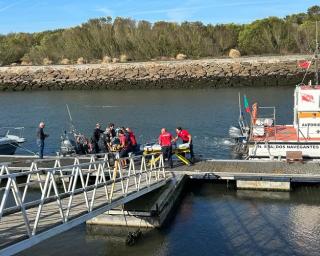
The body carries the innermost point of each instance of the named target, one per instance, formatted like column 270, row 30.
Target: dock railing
column 265, row 114
column 40, row 202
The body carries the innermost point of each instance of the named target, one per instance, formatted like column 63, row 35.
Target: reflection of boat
column 264, row 138
column 10, row 139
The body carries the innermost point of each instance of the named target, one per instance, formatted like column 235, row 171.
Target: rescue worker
column 165, row 139
column 125, row 146
column 186, row 137
column 96, row 137
column 132, row 138
column 41, row 136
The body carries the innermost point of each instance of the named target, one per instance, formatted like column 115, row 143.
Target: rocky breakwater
column 244, row 71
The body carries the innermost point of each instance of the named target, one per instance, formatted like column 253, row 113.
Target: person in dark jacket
column 96, row 137
column 112, row 130
column 41, row 136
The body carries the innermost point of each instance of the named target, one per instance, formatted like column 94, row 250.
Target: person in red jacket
column 186, row 137
column 165, row 139
column 125, row 147
column 133, row 140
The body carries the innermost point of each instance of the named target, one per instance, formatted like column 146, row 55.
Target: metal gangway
column 40, row 202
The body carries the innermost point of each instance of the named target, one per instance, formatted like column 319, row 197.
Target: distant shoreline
column 203, row 73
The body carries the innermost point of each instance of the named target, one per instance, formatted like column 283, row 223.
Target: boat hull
column 280, row 149
column 8, row 149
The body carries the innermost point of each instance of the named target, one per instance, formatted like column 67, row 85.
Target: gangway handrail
column 49, row 199
column 67, row 167
column 112, row 185
column 35, row 158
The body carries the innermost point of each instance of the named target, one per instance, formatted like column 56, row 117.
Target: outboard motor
column 239, row 149
column 234, row 132
column 67, row 146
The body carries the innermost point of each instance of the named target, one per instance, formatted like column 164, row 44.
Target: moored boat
column 263, row 138
column 10, row 139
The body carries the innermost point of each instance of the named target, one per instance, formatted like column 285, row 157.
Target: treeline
column 141, row 40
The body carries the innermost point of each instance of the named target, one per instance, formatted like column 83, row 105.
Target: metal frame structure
column 68, row 195
column 8, row 130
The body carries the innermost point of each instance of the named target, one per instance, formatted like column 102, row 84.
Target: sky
column 40, row 15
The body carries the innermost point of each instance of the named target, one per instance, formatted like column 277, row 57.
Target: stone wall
column 253, row 71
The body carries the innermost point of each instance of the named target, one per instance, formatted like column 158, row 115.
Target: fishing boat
column 262, row 138
column 10, row 139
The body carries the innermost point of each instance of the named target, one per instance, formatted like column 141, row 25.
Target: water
column 210, row 220
column 207, row 114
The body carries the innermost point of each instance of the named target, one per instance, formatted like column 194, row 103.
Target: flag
column 307, row 97
column 304, row 64
column 246, row 104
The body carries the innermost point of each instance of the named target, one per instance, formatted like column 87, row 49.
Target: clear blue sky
column 39, row 15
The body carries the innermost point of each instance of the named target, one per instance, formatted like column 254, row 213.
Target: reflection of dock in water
column 101, row 191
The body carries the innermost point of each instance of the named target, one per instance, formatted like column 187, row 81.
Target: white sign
column 275, row 150
column 308, row 100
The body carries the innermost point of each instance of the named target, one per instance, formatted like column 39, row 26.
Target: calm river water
column 207, row 114
column 210, row 219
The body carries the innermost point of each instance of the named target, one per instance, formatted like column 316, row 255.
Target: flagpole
column 316, row 55
column 240, row 115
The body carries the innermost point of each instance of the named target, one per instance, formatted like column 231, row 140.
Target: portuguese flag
column 246, row 104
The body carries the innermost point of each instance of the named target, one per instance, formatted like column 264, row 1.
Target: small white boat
column 10, row 139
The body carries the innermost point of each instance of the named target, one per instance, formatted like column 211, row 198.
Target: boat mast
column 316, row 55
column 240, row 112
column 70, row 118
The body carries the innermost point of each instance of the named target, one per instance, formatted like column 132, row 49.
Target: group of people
column 121, row 140
column 166, row 139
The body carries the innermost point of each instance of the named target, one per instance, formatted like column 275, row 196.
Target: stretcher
column 177, row 150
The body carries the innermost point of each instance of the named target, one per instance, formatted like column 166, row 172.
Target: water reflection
column 211, row 220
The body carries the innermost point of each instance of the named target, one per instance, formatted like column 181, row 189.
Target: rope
column 25, row 149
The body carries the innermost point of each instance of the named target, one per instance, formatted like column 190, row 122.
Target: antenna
column 240, row 112
column 70, row 117
column 316, row 55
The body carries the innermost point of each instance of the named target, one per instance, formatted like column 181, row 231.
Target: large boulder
column 65, row 61
column 115, row 60
column 106, row 59
column 233, row 53
column 80, row 61
column 181, row 56
column 46, row 61
column 123, row 58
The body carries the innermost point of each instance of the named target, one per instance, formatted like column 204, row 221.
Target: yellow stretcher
column 178, row 151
